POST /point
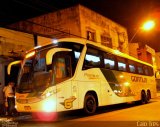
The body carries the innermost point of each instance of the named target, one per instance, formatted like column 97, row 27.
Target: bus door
column 62, row 69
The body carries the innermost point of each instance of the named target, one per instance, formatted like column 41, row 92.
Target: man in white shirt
column 9, row 94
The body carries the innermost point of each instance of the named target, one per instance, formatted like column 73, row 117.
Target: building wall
column 157, row 58
column 102, row 26
column 15, row 42
column 151, row 57
column 147, row 54
column 63, row 23
column 142, row 54
column 133, row 49
column 74, row 22
column 44, row 40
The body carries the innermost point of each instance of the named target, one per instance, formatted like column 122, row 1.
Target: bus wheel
column 90, row 104
column 143, row 98
column 148, row 95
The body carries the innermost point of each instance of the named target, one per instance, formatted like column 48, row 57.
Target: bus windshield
column 34, row 74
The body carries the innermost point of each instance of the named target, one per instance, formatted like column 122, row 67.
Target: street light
column 146, row 27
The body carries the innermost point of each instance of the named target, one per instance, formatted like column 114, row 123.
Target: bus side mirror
column 11, row 64
column 157, row 74
column 51, row 52
column 49, row 56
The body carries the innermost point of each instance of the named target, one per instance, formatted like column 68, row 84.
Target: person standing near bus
column 9, row 95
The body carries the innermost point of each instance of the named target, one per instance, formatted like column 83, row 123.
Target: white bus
column 74, row 73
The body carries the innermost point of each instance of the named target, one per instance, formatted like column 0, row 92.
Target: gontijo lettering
column 138, row 79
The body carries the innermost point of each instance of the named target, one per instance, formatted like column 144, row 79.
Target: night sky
column 128, row 13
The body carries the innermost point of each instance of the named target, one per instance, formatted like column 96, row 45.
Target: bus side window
column 150, row 71
column 121, row 64
column 140, row 69
column 92, row 59
column 146, row 71
column 60, row 68
column 132, row 67
column 109, row 62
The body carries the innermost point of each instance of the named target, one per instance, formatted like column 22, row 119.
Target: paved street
column 117, row 115
column 147, row 112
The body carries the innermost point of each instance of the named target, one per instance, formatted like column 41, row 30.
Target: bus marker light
column 126, row 83
column 116, row 51
column 48, row 94
column 121, row 76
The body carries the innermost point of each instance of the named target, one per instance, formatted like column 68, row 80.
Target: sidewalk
column 17, row 118
column 5, row 118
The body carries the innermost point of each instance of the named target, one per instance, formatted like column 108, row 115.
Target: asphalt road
column 122, row 115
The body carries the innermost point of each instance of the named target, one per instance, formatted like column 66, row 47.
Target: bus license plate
column 27, row 108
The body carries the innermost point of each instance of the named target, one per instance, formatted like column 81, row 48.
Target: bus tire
column 90, row 104
column 148, row 95
column 143, row 98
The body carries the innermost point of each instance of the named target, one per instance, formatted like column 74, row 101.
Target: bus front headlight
column 49, row 105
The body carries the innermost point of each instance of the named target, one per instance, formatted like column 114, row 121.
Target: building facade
column 77, row 21
column 13, row 45
column 157, row 57
column 158, row 69
column 133, row 47
column 144, row 53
